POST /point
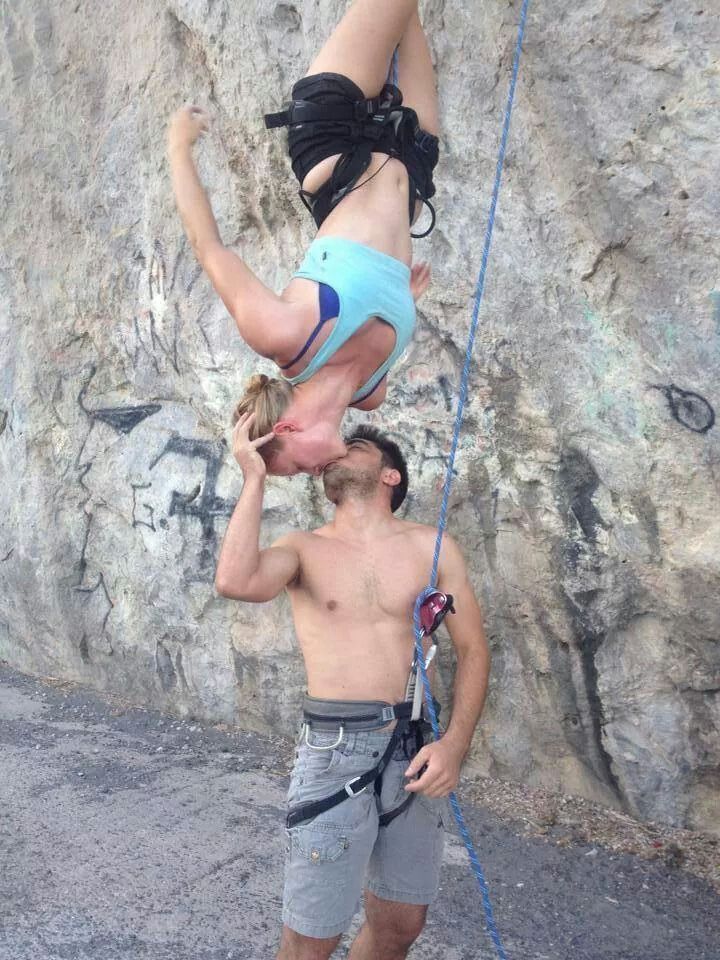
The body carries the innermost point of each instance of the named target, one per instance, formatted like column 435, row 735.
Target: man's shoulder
column 423, row 537
column 418, row 531
column 293, row 538
column 299, row 538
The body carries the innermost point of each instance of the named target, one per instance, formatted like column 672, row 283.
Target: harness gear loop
column 325, row 746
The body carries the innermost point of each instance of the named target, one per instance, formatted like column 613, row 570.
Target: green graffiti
column 715, row 301
column 671, row 336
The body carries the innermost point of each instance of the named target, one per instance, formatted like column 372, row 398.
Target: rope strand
column 442, row 521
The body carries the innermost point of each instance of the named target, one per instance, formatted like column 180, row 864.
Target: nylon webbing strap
column 306, row 111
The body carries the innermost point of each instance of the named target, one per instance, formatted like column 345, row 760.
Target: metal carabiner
column 325, row 746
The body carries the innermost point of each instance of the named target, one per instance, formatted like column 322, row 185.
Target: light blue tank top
column 368, row 284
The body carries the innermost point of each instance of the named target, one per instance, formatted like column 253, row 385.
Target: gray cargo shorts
column 330, row 857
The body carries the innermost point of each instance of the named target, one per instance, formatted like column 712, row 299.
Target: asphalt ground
column 127, row 833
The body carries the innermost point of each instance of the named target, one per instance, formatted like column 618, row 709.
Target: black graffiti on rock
column 689, row 409
column 579, row 482
column 122, row 419
column 137, row 521
column 125, row 419
column 202, row 502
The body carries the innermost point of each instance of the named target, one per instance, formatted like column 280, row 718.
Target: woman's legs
column 416, row 75
column 362, row 44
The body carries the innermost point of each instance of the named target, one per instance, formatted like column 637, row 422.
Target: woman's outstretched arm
column 262, row 317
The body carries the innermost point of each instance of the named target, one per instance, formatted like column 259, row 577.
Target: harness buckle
column 362, row 109
column 388, row 714
column 301, row 111
column 348, row 787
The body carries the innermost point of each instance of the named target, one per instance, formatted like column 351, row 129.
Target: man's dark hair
column 391, row 457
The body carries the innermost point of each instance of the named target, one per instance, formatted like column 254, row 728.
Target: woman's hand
column 245, row 450
column 186, row 125
column 419, row 279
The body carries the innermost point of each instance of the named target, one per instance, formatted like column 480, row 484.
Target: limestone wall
column 587, row 494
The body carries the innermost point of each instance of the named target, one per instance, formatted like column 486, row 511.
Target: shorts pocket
column 319, row 763
column 435, row 807
column 319, row 842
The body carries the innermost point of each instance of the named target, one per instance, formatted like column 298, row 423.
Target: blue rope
column 449, row 476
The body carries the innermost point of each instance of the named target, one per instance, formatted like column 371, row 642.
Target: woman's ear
column 285, row 426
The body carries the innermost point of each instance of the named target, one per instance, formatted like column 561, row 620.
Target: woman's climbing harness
column 354, row 127
column 420, row 662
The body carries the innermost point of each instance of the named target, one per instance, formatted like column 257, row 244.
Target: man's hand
column 186, row 125
column 419, row 279
column 442, row 761
column 245, row 450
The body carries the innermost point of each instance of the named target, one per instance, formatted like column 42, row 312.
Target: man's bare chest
column 374, row 581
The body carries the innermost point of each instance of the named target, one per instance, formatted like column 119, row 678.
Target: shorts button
column 314, row 855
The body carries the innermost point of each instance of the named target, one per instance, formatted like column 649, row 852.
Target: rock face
column 586, row 499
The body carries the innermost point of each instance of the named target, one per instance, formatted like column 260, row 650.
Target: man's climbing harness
column 421, row 661
column 352, row 717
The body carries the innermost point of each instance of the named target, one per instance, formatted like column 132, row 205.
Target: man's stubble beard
column 342, row 484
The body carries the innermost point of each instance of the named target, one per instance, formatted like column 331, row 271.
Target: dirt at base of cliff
column 565, row 820
column 557, row 818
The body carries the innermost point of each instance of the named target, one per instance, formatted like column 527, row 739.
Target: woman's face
column 306, row 451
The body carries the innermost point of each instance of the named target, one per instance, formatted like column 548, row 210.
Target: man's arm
column 245, row 572
column 465, row 627
column 261, row 316
column 467, row 634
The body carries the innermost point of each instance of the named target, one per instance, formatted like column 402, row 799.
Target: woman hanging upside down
column 364, row 155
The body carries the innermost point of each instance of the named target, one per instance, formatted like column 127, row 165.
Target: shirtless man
column 352, row 585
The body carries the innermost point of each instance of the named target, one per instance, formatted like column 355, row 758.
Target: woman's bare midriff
column 374, row 214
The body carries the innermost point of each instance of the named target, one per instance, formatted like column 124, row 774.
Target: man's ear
column 285, row 426
column 391, row 476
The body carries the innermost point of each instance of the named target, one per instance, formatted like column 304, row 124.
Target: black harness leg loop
column 405, row 730
column 385, row 818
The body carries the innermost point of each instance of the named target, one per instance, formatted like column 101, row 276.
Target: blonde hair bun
column 256, row 384
column 268, row 398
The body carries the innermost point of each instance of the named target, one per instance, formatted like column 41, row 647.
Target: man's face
column 357, row 474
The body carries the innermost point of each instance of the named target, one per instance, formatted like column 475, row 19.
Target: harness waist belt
column 305, row 111
column 353, row 715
